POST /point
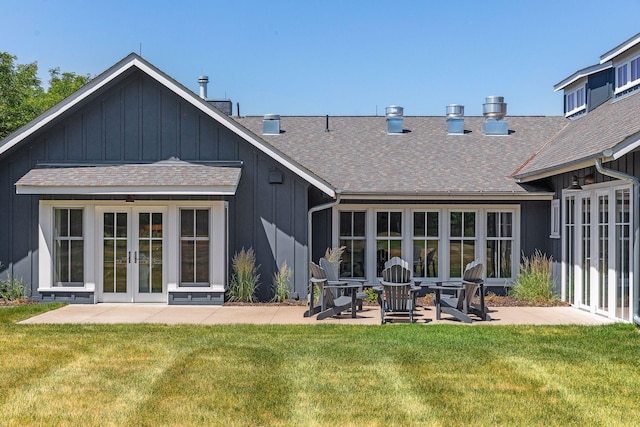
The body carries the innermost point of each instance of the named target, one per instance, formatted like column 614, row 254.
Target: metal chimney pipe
column 203, row 80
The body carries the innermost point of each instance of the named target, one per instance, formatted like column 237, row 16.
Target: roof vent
column 394, row 119
column 494, row 107
column 203, row 81
column 271, row 124
column 494, row 110
column 455, row 119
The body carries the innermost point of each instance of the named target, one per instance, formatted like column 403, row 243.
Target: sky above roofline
column 332, row 57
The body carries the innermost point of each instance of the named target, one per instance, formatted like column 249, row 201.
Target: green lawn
column 443, row 375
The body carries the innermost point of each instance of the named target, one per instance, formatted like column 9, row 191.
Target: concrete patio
column 290, row 315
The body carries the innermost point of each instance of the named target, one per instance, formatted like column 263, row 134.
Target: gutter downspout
column 309, row 224
column 636, row 227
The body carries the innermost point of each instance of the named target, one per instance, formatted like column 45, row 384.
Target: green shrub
column 244, row 280
column 372, row 296
column 281, row 283
column 13, row 289
column 534, row 281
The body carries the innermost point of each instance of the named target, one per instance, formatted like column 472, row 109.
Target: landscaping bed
column 490, row 301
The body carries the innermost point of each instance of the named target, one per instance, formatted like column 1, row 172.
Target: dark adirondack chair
column 331, row 271
column 330, row 304
column 460, row 304
column 396, row 293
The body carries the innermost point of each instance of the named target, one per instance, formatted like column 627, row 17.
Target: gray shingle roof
column 358, row 156
column 587, row 137
column 174, row 175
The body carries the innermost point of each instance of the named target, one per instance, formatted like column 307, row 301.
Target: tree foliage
column 22, row 97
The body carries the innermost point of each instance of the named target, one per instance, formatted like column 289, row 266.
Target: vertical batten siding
column 137, row 119
column 535, row 227
column 131, row 121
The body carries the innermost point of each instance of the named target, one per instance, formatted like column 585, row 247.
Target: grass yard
column 404, row 375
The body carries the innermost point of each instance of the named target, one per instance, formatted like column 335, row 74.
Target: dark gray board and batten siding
column 136, row 119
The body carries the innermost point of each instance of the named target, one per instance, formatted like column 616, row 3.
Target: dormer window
column 628, row 74
column 575, row 100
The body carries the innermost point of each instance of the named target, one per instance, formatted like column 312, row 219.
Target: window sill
column 575, row 111
column 211, row 288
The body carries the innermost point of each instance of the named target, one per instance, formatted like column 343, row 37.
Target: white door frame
column 132, row 294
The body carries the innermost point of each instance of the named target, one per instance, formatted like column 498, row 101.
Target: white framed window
column 628, row 74
column 462, row 240
column 389, row 237
column 68, row 251
column 555, row 219
column 426, row 243
column 575, row 100
column 352, row 235
column 195, row 242
column 437, row 240
column 499, row 244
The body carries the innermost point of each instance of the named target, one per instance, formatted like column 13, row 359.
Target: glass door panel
column 569, row 250
column 603, row 253
column 585, row 259
column 150, row 252
column 115, row 257
column 622, row 253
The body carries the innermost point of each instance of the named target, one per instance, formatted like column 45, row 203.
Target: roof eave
column 585, row 72
column 128, row 190
column 621, row 48
column 630, row 143
column 554, row 170
column 447, row 195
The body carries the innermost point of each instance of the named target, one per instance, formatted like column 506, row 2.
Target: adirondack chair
column 331, row 271
column 330, row 305
column 396, row 293
column 460, row 303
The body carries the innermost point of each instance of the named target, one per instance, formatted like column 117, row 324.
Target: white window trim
column 555, row 219
column 574, row 92
column 218, row 241
column 426, row 237
column 443, row 258
column 631, row 82
column 515, row 256
column 479, row 238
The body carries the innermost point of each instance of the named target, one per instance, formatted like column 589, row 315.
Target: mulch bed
column 490, row 301
column 17, row 302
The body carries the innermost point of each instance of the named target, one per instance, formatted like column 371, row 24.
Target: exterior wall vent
column 455, row 119
column 271, row 124
column 203, row 81
column 494, row 110
column 394, row 119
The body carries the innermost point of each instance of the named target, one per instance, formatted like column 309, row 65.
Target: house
column 137, row 189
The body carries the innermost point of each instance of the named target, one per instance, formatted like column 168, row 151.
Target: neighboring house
column 136, row 189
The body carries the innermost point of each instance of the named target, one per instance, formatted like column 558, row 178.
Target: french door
column 597, row 250
column 132, row 254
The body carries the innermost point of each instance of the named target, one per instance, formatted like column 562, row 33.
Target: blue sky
column 332, row 57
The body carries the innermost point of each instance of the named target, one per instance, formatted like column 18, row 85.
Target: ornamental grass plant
column 535, row 282
column 281, row 281
column 244, row 280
